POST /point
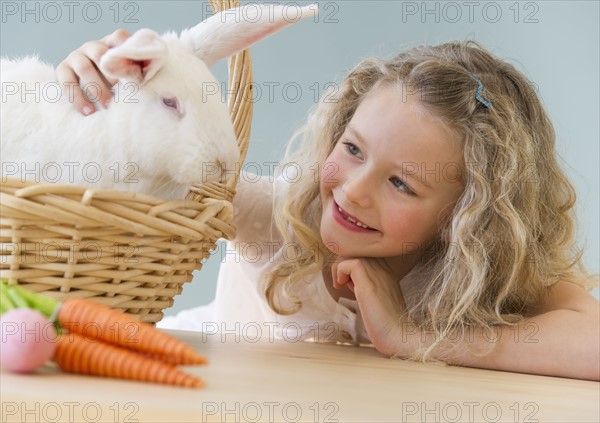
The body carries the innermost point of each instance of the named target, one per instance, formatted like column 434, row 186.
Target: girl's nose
column 359, row 189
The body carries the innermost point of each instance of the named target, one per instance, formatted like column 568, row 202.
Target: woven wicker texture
column 130, row 251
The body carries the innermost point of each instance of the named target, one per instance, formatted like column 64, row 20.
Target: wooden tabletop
column 288, row 382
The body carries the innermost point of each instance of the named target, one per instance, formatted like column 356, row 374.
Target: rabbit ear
column 137, row 59
column 227, row 32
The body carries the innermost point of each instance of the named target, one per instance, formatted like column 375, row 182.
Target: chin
column 338, row 248
column 330, row 242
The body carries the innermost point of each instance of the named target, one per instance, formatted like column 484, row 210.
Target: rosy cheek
column 329, row 172
column 408, row 225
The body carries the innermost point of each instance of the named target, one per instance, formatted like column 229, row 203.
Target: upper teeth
column 356, row 222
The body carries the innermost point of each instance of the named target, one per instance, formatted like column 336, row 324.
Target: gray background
column 555, row 44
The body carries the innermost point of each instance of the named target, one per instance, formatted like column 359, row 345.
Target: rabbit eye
column 172, row 103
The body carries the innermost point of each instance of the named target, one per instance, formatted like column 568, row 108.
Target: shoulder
column 567, row 295
column 253, row 207
column 259, row 188
column 250, row 183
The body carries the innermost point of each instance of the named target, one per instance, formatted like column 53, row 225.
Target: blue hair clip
column 478, row 96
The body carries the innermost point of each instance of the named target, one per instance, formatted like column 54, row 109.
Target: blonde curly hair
column 511, row 233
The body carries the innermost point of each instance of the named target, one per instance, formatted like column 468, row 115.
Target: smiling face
column 390, row 180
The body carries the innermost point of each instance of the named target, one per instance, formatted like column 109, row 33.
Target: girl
column 427, row 215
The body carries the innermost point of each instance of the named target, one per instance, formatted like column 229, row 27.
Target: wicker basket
column 129, row 251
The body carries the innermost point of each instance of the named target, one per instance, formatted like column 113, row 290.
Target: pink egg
column 27, row 338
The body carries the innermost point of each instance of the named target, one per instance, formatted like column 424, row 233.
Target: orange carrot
column 96, row 321
column 76, row 354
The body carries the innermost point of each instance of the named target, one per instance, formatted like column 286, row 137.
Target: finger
column 93, row 52
column 344, row 271
column 93, row 86
column 334, row 274
column 116, row 38
column 69, row 83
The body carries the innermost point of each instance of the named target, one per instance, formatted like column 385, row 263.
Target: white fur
column 137, row 143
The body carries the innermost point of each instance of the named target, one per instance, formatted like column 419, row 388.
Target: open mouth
column 348, row 221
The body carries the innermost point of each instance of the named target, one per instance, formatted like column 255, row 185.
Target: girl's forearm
column 557, row 343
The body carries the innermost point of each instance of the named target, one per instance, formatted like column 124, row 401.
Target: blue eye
column 399, row 184
column 352, row 149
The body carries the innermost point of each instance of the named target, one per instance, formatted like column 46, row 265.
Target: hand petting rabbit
column 167, row 127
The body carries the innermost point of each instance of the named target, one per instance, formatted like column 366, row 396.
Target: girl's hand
column 81, row 67
column 379, row 298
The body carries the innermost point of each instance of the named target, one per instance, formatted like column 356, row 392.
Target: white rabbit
column 167, row 127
